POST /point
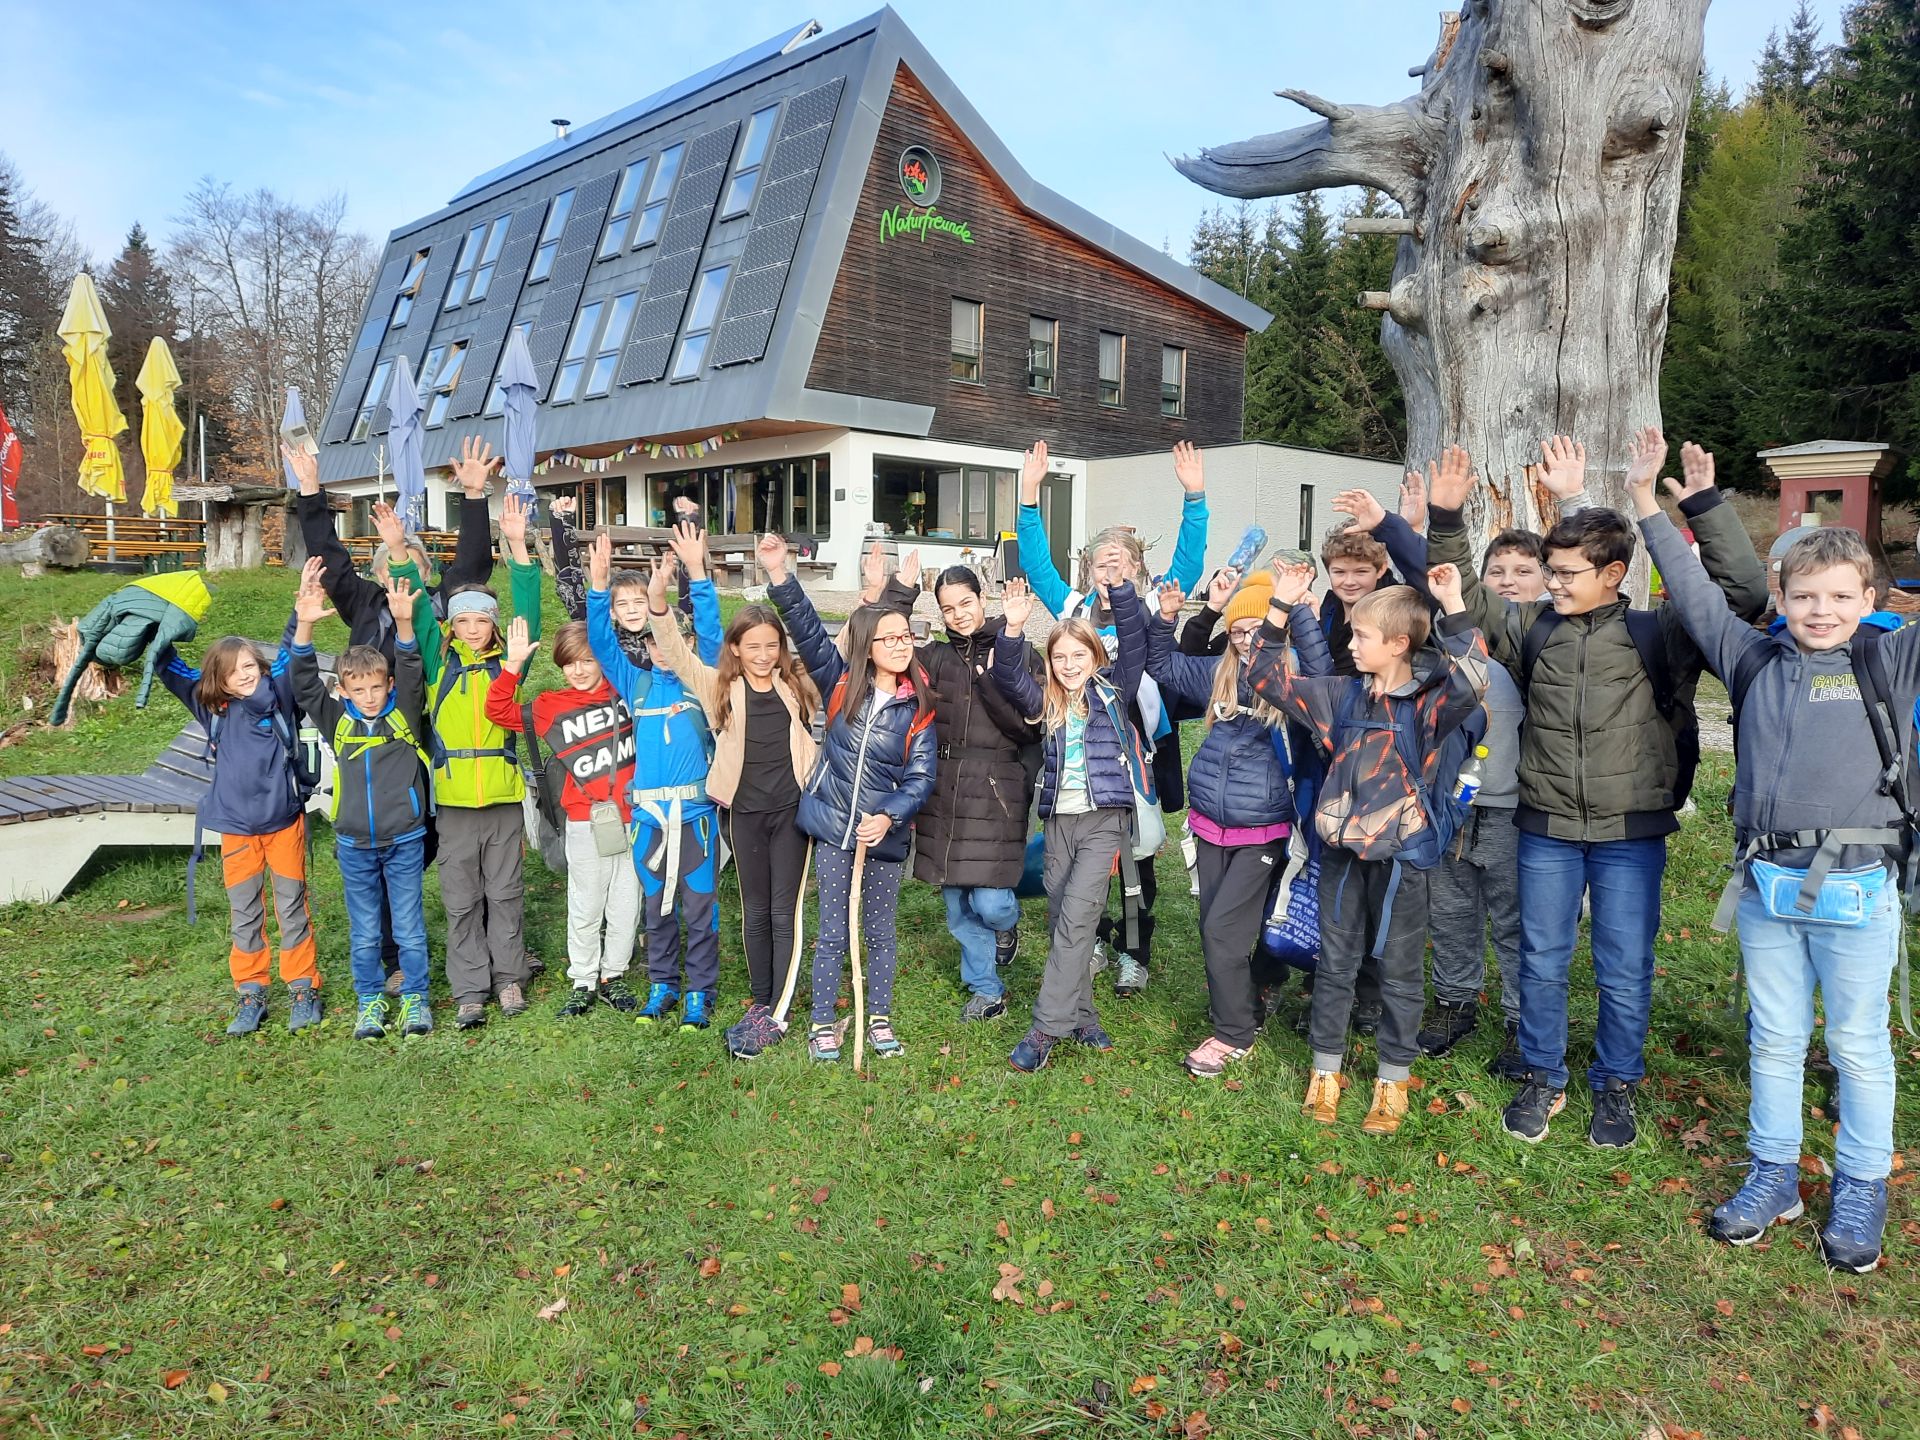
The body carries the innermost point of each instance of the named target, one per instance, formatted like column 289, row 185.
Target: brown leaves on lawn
column 850, row 1296
column 1006, row 1288
column 174, row 1379
column 1143, row 1383
column 553, row 1311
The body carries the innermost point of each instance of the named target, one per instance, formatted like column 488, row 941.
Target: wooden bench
column 439, row 545
column 137, row 537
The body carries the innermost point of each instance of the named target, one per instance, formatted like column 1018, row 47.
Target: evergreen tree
column 1789, row 67
column 1361, row 385
column 1282, row 398
column 137, row 295
column 28, row 313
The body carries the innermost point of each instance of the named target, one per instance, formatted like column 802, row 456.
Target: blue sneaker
column 1850, row 1240
column 372, row 1021
column 416, row 1016
column 699, row 1012
column 1093, row 1037
column 1032, row 1051
column 305, row 1010
column 662, row 996
column 252, row 1009
column 823, row 1042
column 1772, row 1192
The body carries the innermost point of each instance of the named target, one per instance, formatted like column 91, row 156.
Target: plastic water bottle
column 1252, row 541
column 1468, row 784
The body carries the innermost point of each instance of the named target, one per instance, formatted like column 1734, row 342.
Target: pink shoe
column 1210, row 1058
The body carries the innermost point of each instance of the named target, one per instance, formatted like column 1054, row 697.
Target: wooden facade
column 888, row 326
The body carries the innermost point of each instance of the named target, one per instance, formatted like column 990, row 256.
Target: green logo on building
column 895, row 221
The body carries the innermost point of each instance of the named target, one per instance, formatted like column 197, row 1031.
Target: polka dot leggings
column 879, row 900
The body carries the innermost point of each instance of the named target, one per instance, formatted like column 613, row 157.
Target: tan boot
column 1323, row 1097
column 1389, row 1107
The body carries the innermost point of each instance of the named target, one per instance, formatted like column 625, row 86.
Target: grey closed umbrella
column 403, row 435
column 296, row 432
column 517, row 385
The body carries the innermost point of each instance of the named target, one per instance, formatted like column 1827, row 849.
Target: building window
column 558, row 209
column 497, row 397
column 409, row 288
column 376, row 392
column 585, row 326
column 621, row 215
column 1113, row 368
column 473, row 271
column 1306, row 518
column 489, row 256
column 706, row 309
column 969, row 330
column 658, row 193
column 746, row 171
column 439, row 376
column 1043, row 343
column 943, row 502
column 1173, row 380
column 613, row 339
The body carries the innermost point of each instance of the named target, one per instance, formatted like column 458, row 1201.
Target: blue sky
column 398, row 106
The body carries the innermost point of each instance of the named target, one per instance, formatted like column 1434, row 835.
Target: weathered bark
column 61, row 546
column 1540, row 166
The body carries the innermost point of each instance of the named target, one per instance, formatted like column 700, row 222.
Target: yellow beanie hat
column 1250, row 601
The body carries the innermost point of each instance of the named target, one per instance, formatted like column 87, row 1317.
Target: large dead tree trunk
column 1538, row 171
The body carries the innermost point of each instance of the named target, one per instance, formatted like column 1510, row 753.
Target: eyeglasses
column 1567, row 577
column 1243, row 634
column 898, row 640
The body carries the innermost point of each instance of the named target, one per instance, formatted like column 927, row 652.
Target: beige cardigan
column 730, row 744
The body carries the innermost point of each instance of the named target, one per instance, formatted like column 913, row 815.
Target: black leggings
column 769, row 853
column 1113, row 924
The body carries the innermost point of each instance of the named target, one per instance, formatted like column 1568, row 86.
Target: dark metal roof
column 784, row 254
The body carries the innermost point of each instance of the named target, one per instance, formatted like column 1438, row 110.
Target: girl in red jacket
column 587, row 727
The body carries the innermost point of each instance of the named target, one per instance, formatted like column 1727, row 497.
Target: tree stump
column 1539, row 166
column 61, row 546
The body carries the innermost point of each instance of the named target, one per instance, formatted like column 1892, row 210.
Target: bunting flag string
column 600, row 464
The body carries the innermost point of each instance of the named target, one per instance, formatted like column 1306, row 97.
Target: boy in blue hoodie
column 675, row 835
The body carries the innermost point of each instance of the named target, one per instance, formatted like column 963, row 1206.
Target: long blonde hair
column 1057, row 703
column 1224, row 703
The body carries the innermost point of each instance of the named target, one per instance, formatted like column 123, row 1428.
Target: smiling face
column 629, row 604
column 583, row 673
column 1072, row 662
column 1515, row 575
column 758, row 651
column 1576, row 585
column 244, row 678
column 474, row 630
column 1351, row 579
column 892, row 645
column 961, row 609
column 1824, row 607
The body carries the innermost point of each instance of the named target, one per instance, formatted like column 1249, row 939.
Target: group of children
column 1435, row 752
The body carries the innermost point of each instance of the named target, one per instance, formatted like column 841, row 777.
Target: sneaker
column 1613, row 1126
column 617, row 993
column 984, row 1007
column 1450, row 1025
column 1527, row 1114
column 395, row 979
column 698, row 1014
column 823, row 1042
column 1366, row 1018
column 251, row 1010
column 579, row 1001
column 1131, row 978
column 372, row 1021
column 1093, row 1037
column 1850, row 1240
column 755, row 1034
column 470, row 1016
column 1509, row 1064
column 1772, row 1192
column 1323, row 1097
column 1032, row 1051
column 881, row 1038
column 1006, row 945
column 513, row 1000
column 416, row 1016
column 662, row 996
column 1389, row 1107
column 1211, row 1057
column 305, row 1009
column 1100, row 959
column 535, row 965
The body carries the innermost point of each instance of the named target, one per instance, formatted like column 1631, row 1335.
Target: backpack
column 1643, row 627
column 1445, row 815
column 637, row 710
column 545, row 778
column 449, row 677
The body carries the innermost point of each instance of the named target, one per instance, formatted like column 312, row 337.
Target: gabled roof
column 833, row 90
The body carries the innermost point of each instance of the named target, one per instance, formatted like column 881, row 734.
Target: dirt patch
column 140, row 914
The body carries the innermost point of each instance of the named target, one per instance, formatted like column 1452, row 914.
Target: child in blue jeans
column 1821, row 705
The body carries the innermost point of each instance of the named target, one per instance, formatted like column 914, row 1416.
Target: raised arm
column 809, row 636
column 1466, row 651
column 1030, row 531
column 1012, row 657
column 409, row 678
column 1502, row 623
column 1406, row 547
column 689, row 544
column 472, row 562
column 569, row 579
column 524, row 579
column 1181, row 677
column 1726, row 550
column 309, row 690
column 601, row 635
column 1190, row 544
column 359, row 600
column 1130, row 628
column 1275, row 674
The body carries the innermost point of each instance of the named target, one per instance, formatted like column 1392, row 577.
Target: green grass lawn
column 300, row 1237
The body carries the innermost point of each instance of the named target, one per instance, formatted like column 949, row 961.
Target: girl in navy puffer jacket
column 875, row 771
column 1093, row 763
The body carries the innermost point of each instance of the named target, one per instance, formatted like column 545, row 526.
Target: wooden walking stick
column 853, row 954
column 793, row 965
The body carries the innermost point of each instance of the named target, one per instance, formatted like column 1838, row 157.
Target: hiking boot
column 1772, row 1192
column 371, row 1023
column 1509, row 1064
column 1613, row 1126
column 416, row 1016
column 1527, row 1114
column 1131, row 978
column 1366, row 1018
column 1006, row 945
column 251, row 1010
column 535, row 965
column 823, row 1042
column 1210, row 1058
column 881, row 1038
column 470, row 1016
column 1032, row 1051
column 1093, row 1037
column 513, row 1000
column 698, row 1014
column 617, row 993
column 1450, row 1025
column 305, row 1009
column 984, row 1007
column 580, row 1000
column 1389, row 1107
column 1100, row 959
column 395, row 979
column 1323, row 1097
column 662, row 996
column 1850, row 1240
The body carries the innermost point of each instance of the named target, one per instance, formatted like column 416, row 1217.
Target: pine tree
column 1359, row 381
column 1282, row 403
column 137, row 295
column 1788, row 68
column 27, row 311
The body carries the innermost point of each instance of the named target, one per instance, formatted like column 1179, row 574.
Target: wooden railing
column 439, row 545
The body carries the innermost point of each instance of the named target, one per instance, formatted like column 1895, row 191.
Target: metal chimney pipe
column 561, row 128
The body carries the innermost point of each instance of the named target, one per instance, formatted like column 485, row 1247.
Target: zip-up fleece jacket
column 668, row 752
column 880, row 762
column 1597, row 760
column 1804, row 757
column 381, row 790
column 254, row 789
column 475, row 761
column 523, row 594
column 587, row 729
column 1368, row 802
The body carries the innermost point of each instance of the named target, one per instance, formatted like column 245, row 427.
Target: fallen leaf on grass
column 830, row 1368
column 174, row 1379
column 862, row 1345
column 1725, row 1307
column 95, row 1351
column 217, row 1393
column 1142, row 1384
column 555, row 1310
column 387, row 1400
column 1461, row 1406
column 820, row 1195
column 1196, row 1426
column 850, row 1296
column 1694, row 1136
column 709, row 1268
column 1155, row 1410
column 1005, row 1287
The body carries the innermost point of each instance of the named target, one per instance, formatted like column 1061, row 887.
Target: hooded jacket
column 382, row 793
column 150, row 616
column 670, row 733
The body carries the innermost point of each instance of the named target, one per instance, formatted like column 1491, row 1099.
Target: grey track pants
column 1235, row 882
column 1464, row 897
column 480, row 884
column 1353, row 893
column 1080, row 851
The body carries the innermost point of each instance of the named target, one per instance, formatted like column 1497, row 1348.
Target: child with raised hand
column 382, row 797
column 586, row 727
column 1093, row 768
column 676, row 837
column 256, row 802
column 1608, row 693
column 1239, row 798
column 1822, row 705
column 1386, row 734
column 875, row 771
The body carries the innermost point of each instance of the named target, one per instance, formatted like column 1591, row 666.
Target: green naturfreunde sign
column 895, row 221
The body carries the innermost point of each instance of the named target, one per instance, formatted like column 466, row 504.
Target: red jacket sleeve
column 503, row 702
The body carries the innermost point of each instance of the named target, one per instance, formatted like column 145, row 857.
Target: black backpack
column 545, row 778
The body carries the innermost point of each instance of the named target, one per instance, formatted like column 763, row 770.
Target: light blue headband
column 473, row 602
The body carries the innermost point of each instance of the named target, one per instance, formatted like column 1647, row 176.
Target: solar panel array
column 366, row 350
column 578, row 244
column 682, row 239
column 503, row 297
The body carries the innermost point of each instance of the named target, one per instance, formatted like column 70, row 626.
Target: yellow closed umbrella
column 160, row 428
column 83, row 327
